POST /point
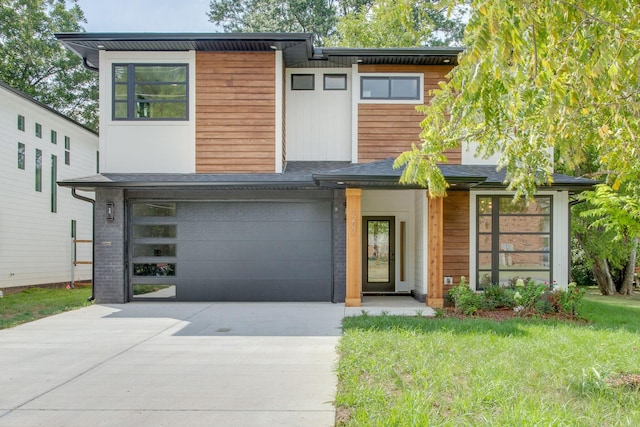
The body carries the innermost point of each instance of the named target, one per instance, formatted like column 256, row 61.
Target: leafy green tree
column 537, row 76
column 400, row 23
column 33, row 61
column 312, row 16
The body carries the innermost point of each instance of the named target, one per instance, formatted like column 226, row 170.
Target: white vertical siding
column 318, row 121
column 146, row 146
column 35, row 244
column 400, row 204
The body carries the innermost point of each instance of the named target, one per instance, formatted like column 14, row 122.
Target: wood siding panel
column 235, row 112
column 386, row 130
column 456, row 237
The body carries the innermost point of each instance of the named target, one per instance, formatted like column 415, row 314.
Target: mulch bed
column 508, row 314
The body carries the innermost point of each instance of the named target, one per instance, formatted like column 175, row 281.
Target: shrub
column 465, row 300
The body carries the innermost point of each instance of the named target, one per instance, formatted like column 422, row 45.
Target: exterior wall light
column 110, row 211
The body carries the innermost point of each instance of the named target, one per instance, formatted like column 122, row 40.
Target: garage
column 271, row 250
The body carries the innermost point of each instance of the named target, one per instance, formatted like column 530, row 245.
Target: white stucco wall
column 318, row 122
column 35, row 243
column 146, row 146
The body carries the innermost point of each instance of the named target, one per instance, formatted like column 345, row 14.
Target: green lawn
column 36, row 303
column 396, row 371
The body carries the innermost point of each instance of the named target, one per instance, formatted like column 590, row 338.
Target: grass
column 396, row 371
column 36, row 303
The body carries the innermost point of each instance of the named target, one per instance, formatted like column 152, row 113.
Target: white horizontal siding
column 35, row 244
column 318, row 125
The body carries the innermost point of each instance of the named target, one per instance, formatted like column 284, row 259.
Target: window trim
column 390, row 100
column 495, row 234
column 131, row 84
column 324, row 81
column 313, row 81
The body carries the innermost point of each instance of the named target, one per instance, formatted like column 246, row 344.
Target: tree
column 538, row 76
column 400, row 23
column 312, row 16
column 33, row 61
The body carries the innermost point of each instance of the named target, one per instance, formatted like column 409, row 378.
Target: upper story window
column 38, row 129
column 335, row 82
column 303, row 81
column 54, row 137
column 21, row 122
column 393, row 88
column 150, row 91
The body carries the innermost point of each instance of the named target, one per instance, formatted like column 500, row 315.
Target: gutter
column 93, row 239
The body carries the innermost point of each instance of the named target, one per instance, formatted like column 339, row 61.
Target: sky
column 175, row 16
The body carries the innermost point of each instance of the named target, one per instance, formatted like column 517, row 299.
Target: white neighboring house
column 38, row 147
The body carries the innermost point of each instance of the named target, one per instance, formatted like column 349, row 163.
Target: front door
column 379, row 254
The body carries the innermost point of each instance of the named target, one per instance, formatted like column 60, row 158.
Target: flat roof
column 297, row 48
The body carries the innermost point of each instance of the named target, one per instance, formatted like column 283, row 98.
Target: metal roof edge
column 391, row 51
column 31, row 99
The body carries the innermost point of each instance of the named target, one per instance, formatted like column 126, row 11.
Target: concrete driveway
column 169, row 364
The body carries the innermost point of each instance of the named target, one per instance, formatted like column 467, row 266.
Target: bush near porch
column 410, row 371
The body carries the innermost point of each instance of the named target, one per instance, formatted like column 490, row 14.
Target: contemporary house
column 255, row 167
column 38, row 221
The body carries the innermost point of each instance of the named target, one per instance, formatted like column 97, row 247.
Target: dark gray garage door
column 254, row 251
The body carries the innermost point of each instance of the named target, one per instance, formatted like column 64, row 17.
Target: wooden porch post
column 435, row 252
column 354, row 247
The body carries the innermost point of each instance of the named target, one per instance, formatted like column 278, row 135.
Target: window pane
column 302, row 81
column 541, row 205
column 163, row 92
column 524, row 242
column 378, row 260
column 120, row 73
column 159, row 270
column 161, row 73
column 151, row 250
column 120, row 110
column 335, row 82
column 405, row 88
column 484, row 224
column 154, row 230
column 38, row 130
column 485, row 205
column 54, row 185
column 54, row 137
column 21, row 155
column 153, row 291
column 484, row 279
column 375, row 87
column 524, row 260
column 154, row 209
column 484, row 261
column 20, row 122
column 484, row 242
column 38, row 170
column 510, row 277
column 67, row 143
column 121, row 92
column 161, row 110
column 67, row 158
column 524, row 224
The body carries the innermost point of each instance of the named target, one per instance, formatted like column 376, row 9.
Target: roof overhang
column 297, row 48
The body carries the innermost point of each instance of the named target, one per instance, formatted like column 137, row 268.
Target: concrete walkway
column 169, row 364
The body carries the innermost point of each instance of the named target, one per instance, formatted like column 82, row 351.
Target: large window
column 153, row 250
column 150, row 92
column 513, row 240
column 54, row 184
column 382, row 87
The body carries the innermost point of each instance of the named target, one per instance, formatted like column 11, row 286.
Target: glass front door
column 379, row 256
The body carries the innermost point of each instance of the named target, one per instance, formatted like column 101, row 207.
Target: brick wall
column 110, row 248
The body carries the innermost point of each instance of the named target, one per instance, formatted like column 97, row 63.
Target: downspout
column 93, row 240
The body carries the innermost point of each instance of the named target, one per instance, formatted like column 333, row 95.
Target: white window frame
column 420, row 99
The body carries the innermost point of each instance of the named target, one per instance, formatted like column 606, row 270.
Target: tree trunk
column 603, row 276
column 627, row 283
